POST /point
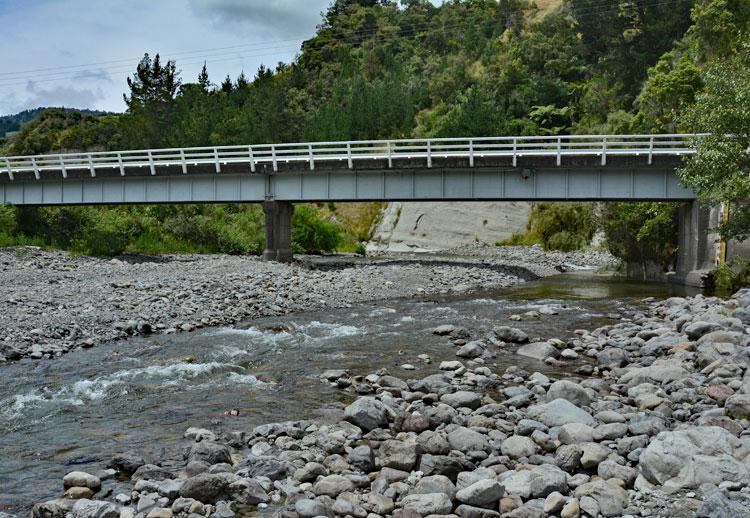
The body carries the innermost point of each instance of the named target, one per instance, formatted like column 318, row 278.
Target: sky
column 78, row 53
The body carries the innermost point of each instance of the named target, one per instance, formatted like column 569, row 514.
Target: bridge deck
column 608, row 167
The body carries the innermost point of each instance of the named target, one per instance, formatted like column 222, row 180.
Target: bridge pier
column 697, row 246
column 278, row 231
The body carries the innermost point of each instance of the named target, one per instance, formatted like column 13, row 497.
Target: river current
column 77, row 411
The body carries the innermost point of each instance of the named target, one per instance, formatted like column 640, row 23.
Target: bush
column 729, row 278
column 558, row 226
column 312, row 234
column 108, row 233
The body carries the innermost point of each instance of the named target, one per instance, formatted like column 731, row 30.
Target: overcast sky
column 78, row 53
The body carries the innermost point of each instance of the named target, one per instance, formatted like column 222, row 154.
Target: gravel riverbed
column 651, row 420
column 53, row 303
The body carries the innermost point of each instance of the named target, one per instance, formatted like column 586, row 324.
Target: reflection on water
column 79, row 410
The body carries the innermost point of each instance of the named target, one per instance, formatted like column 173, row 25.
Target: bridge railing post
column 92, row 170
column 515, row 149
column 183, row 162
column 604, row 151
column 36, row 168
column 429, row 153
column 311, row 157
column 651, row 150
column 10, row 169
column 559, row 151
column 252, row 158
column 216, row 160
column 120, row 164
column 471, row 153
column 349, row 160
column 273, row 158
column 151, row 163
column 389, row 147
column 62, row 167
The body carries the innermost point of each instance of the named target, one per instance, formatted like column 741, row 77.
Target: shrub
column 558, row 226
column 312, row 234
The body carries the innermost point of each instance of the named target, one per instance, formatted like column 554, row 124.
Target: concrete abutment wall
column 278, row 231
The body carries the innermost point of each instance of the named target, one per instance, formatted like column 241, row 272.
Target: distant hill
column 13, row 123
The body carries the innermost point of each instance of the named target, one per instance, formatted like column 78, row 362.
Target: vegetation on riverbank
column 381, row 69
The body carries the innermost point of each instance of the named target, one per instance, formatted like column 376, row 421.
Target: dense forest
column 386, row 69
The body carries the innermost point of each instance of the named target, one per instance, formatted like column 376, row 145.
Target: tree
column 720, row 170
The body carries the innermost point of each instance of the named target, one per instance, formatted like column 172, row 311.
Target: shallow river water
column 77, row 411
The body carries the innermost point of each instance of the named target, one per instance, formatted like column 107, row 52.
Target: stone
column 517, row 446
column 738, row 406
column 361, row 458
column 610, row 469
column 368, row 413
column 82, row 479
column 435, row 484
column 475, row 349
column 575, row 433
column 465, row 439
column 443, row 330
column 510, row 334
column 698, row 329
column 441, row 465
column 538, row 350
column 209, row 452
column 199, row 434
column 573, row 392
column 332, row 485
column 610, row 499
column 206, row 488
column 127, row 462
column 160, row 512
column 427, row 504
column 432, row 442
column 688, row 458
column 398, row 454
column 610, row 431
column 151, row 472
column 717, row 504
column 95, row 509
column 262, row 466
column 517, row 483
column 309, row 508
column 248, row 491
column 313, row 470
column 451, row 366
column 554, row 502
column 571, row 509
column 559, row 412
column 660, row 372
column 469, row 511
column 484, row 493
column 76, row 493
column 546, row 479
column 380, row 504
column 463, row 398
column 592, row 454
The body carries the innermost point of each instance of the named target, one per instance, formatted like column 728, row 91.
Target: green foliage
column 558, row 226
column 720, row 171
column 313, row 234
column 641, row 233
column 729, row 278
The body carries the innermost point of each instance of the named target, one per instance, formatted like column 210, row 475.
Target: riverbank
column 53, row 303
column 649, row 417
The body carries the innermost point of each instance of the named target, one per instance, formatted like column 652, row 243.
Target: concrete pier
column 697, row 244
column 278, row 231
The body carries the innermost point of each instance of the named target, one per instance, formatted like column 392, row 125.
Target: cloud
column 93, row 75
column 67, row 96
column 289, row 18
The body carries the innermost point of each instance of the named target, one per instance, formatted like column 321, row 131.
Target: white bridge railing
column 647, row 146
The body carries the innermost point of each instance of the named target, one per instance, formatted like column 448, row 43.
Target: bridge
column 556, row 168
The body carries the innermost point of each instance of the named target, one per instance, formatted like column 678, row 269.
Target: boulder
column 368, row 413
column 209, row 452
column 82, row 479
column 547, row 479
column 332, row 485
column 517, row 446
column 435, row 484
column 738, row 406
column 510, row 334
column 538, row 350
column 559, row 412
column 398, row 454
column 485, row 493
column 463, row 398
column 573, row 392
column 465, row 440
column 207, row 488
column 95, row 509
column 688, row 458
column 610, row 499
column 430, row 503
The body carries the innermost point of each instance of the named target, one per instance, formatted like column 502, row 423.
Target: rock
column 517, row 483
column 199, row 434
column 435, row 443
column 368, row 413
column 469, row 511
column 610, row 469
column 592, row 454
column 559, row 412
column 688, row 458
column 206, row 488
column 554, row 502
column 82, row 479
column 441, row 465
column 262, row 466
column 571, row 509
column 435, row 484
column 464, row 439
column 248, row 491
column 698, row 329
column 127, row 463
column 463, row 398
column 57, row 508
column 332, row 485
column 485, row 493
column 610, row 499
column 159, row 512
column 209, row 452
column 660, row 372
column 510, row 334
column 716, row 504
column 546, row 479
column 151, row 472
column 451, row 366
column 361, row 458
column 475, row 349
column 76, row 493
column 427, row 504
column 738, row 406
column 575, row 433
column 398, row 454
column 443, row 330
column 538, row 350
column 573, row 392
column 309, row 508
column 380, row 504
column 517, row 446
column 95, row 509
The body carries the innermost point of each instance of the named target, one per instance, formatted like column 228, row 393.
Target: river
column 77, row 411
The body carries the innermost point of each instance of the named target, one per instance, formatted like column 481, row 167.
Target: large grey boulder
column 368, row 413
column 95, row 509
column 560, row 412
column 398, row 454
column 738, row 405
column 463, row 398
column 206, row 488
column 430, row 503
column 718, row 504
column 82, row 479
column 517, row 446
column 471, row 350
column 435, row 484
column 464, row 439
column 573, row 392
column 694, row 456
column 547, row 479
column 510, row 334
column 332, row 485
column 659, row 372
column 484, row 493
column 610, row 499
column 209, row 452
column 538, row 350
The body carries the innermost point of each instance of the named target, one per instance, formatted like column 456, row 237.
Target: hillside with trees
column 385, row 69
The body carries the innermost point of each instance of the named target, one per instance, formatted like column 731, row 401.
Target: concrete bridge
column 556, row 168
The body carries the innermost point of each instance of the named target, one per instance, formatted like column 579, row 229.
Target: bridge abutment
column 697, row 245
column 278, row 231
